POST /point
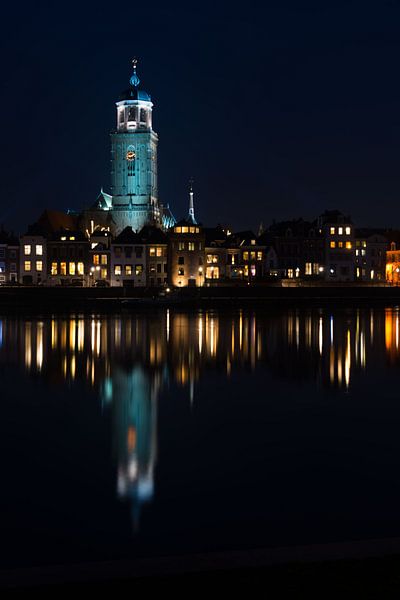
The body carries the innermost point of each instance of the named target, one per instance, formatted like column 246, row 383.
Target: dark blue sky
column 277, row 110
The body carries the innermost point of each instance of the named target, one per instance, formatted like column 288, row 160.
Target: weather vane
column 134, row 80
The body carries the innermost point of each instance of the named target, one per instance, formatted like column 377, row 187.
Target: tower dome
column 133, row 92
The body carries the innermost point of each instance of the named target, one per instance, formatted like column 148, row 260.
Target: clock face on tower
column 130, row 155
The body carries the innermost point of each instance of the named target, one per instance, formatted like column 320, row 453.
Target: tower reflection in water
column 129, row 359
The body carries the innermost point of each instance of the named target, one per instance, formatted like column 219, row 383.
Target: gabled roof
column 8, row 238
column 215, row 234
column 128, row 236
column 152, row 235
column 51, row 221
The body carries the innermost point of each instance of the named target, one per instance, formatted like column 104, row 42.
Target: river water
column 169, row 432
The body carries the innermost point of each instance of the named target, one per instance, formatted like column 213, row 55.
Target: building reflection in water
column 128, row 359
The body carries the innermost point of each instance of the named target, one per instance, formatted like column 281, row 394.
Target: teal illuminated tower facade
column 134, row 158
column 133, row 200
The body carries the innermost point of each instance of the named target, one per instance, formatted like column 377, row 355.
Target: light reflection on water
column 129, row 359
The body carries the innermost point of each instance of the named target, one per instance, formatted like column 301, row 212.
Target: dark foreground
column 108, row 299
column 368, row 578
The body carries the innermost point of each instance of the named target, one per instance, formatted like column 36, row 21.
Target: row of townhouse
column 56, row 251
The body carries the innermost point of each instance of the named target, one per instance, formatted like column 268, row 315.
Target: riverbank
column 66, row 298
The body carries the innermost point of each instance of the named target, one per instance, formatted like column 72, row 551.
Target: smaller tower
column 191, row 217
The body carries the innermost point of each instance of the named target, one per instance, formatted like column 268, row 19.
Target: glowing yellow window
column 192, row 229
column 117, row 270
column 159, row 252
column 332, row 231
column 185, row 229
column 333, row 244
column 253, row 255
column 80, row 267
column 104, row 259
column 39, row 265
column 96, row 259
column 348, row 245
column 178, row 229
column 152, row 252
column 63, row 268
column 72, row 238
column 340, row 244
column 72, row 268
column 104, row 273
column 128, row 270
column 259, row 255
column 27, row 265
column 245, row 256
column 54, row 268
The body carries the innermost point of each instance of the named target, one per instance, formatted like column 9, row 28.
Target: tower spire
column 191, row 217
column 134, row 80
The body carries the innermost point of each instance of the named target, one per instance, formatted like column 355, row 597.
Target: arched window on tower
column 131, row 160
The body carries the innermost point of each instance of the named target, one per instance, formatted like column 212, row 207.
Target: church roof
column 51, row 221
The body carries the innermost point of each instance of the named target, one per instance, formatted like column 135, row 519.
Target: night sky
column 277, row 111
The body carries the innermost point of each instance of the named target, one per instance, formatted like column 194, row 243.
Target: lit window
column 364, row 244
column 245, row 256
column 333, row 244
column 159, row 251
column 54, row 268
column 27, row 265
column 96, row 259
column 138, row 269
column 39, row 249
column 72, row 238
column 348, row 245
column 185, row 229
column 340, row 230
column 197, row 230
column 253, row 255
column 259, row 255
column 81, row 270
column 290, row 273
column 63, row 268
column 39, row 265
column 191, row 246
column 128, row 270
column 117, row 270
column 152, row 252
column 63, row 238
column 340, row 244
column 104, row 273
column 178, row 229
column 308, row 270
column 72, row 268
column 332, row 231
column 181, row 245
column 348, row 230
column 191, row 229
column 104, row 259
column 27, row 249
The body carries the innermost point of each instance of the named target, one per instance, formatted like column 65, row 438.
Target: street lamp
column 200, row 274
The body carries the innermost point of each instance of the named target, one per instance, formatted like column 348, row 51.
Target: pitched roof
column 128, row 236
column 153, row 235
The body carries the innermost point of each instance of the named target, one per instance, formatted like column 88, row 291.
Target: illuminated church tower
column 133, row 199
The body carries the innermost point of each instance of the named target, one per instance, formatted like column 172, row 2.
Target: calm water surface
column 167, row 432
